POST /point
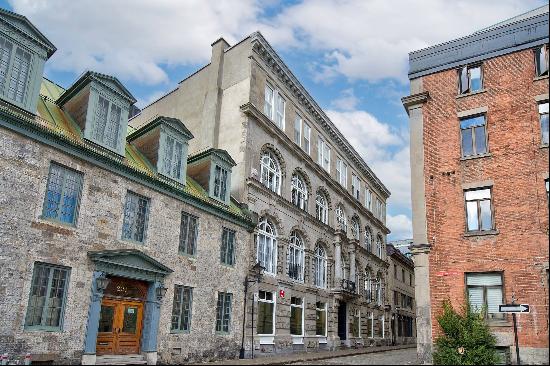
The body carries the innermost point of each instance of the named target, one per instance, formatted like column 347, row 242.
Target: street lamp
column 160, row 292
column 257, row 271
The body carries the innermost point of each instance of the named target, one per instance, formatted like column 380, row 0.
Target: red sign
column 282, row 293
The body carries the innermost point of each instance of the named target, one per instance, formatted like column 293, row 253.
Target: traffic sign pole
column 516, row 337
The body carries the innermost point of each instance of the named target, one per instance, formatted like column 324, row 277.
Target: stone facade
column 515, row 169
column 223, row 104
column 401, row 292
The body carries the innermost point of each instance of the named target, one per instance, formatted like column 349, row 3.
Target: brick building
column 401, row 294
column 478, row 114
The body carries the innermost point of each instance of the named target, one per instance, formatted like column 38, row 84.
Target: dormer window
column 211, row 169
column 107, row 123
column 23, row 52
column 220, row 183
column 173, row 158
column 164, row 142
column 99, row 104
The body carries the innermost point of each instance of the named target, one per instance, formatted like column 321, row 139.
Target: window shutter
column 484, row 279
column 475, row 295
column 5, row 55
column 494, row 299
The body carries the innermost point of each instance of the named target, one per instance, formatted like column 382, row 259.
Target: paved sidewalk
column 308, row 356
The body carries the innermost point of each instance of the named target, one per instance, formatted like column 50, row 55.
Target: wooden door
column 119, row 330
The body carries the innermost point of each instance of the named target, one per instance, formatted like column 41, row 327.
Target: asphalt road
column 396, row 357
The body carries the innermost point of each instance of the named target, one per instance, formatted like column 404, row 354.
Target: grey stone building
column 112, row 240
column 321, row 210
column 401, row 293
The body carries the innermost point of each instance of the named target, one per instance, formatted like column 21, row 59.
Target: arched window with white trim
column 356, row 231
column 320, row 267
column 378, row 288
column 379, row 247
column 341, row 218
column 267, row 246
column 271, row 172
column 299, row 192
column 368, row 285
column 295, row 257
column 321, row 207
column 368, row 239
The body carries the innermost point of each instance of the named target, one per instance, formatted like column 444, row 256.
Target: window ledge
column 470, row 157
column 543, row 146
column 56, row 223
column 542, row 77
column 192, row 257
column 498, row 323
column 179, row 332
column 481, row 91
column 481, row 233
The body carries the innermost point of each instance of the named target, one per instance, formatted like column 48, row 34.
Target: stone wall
column 26, row 238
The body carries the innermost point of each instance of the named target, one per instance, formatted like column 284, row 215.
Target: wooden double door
column 120, row 324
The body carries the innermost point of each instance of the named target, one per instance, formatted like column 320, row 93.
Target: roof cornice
column 261, row 47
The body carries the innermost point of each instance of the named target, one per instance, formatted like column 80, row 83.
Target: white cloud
column 370, row 39
column 135, row 39
column 384, row 148
column 400, row 226
column 361, row 39
column 347, row 101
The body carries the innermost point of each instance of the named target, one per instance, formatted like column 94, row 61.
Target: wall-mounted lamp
column 102, row 282
column 160, row 292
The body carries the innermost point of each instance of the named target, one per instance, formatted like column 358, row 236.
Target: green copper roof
column 53, row 118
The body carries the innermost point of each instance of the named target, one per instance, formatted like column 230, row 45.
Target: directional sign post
column 514, row 309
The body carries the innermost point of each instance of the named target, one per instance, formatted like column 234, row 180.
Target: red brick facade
column 517, row 165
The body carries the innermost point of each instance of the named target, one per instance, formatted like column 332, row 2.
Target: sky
column 351, row 55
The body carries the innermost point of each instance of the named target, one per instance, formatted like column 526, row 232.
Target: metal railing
column 348, row 285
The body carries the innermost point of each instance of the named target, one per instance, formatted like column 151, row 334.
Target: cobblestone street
column 394, row 357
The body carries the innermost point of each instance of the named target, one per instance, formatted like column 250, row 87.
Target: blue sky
column 351, row 55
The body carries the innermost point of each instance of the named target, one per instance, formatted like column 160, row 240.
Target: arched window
column 267, row 246
column 368, row 239
column 344, row 266
column 378, row 287
column 320, row 267
column 271, row 172
column 299, row 192
column 379, row 247
column 295, row 257
column 341, row 218
column 321, row 208
column 356, row 232
column 368, row 285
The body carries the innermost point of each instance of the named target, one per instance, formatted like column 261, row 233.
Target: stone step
column 120, row 360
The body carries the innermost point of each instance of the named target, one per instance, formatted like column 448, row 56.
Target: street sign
column 513, row 308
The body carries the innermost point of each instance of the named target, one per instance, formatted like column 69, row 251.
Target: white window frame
column 321, row 208
column 320, row 263
column 306, row 146
column 268, row 338
column 269, row 103
column 371, row 317
column 355, row 228
column 341, row 218
column 368, row 198
column 280, row 115
column 355, row 186
column 379, row 247
column 298, row 121
column 323, row 154
column 295, row 255
column 298, row 338
column 543, row 111
column 382, row 320
column 368, row 239
column 268, row 231
column 299, row 194
column 272, row 173
column 342, row 172
column 357, row 315
column 322, row 338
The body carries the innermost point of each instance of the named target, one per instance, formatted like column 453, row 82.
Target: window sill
column 38, row 328
column 542, row 77
column 470, row 157
column 178, row 332
column 543, row 146
column 192, row 257
column 232, row 266
column 56, row 223
column 481, row 91
column 481, row 233
column 223, row 333
column 133, row 241
column 267, row 339
column 498, row 323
